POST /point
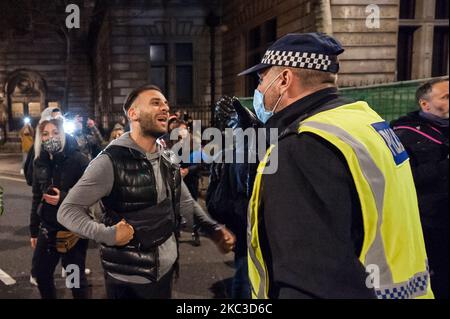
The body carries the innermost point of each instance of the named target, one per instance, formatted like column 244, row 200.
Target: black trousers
column 45, row 260
column 437, row 245
column 117, row 289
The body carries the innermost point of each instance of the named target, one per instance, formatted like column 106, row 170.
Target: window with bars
column 159, row 66
column 441, row 9
column 407, row 9
column 259, row 39
column 405, row 52
column 171, row 68
column 440, row 52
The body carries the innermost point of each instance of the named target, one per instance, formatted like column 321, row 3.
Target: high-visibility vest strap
column 257, row 269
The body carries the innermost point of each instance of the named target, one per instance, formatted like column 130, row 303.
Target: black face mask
column 53, row 145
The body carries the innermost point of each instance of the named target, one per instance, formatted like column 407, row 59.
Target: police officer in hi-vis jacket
column 339, row 217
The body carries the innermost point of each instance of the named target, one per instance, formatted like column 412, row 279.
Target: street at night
column 232, row 152
column 204, row 272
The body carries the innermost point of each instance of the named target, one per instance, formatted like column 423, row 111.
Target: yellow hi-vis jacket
column 393, row 249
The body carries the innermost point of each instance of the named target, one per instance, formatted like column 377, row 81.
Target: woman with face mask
column 57, row 166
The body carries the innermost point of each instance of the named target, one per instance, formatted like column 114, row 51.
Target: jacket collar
column 413, row 118
column 435, row 120
column 287, row 120
column 301, row 108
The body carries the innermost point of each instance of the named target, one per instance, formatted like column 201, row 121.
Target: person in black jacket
column 47, row 114
column 57, row 167
column 424, row 133
column 87, row 135
column 230, row 187
column 191, row 171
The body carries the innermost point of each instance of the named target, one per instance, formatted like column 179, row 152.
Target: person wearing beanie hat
column 337, row 217
column 49, row 113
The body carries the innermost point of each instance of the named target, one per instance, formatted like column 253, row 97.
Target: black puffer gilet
column 135, row 190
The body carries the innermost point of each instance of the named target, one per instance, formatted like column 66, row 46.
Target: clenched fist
column 124, row 233
column 224, row 239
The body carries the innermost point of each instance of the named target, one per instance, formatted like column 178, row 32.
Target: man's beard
column 148, row 128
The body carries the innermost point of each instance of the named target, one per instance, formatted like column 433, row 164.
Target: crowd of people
column 351, row 192
column 54, row 161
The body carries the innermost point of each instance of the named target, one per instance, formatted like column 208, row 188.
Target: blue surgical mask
column 258, row 103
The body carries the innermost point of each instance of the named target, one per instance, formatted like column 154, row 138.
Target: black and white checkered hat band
column 303, row 60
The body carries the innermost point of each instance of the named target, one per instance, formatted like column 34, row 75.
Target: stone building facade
column 167, row 45
column 374, row 52
column 34, row 73
column 121, row 44
column 194, row 49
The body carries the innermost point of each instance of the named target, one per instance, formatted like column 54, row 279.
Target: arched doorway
column 25, row 93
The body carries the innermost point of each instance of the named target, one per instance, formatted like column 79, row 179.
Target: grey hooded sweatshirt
column 97, row 182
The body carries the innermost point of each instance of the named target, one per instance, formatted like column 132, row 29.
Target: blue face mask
column 258, row 103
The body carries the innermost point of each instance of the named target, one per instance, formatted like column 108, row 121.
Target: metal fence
column 389, row 100
column 196, row 112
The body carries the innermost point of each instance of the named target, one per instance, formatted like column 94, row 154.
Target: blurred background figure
column 172, row 122
column 192, row 171
column 177, row 114
column 122, row 121
column 116, row 132
column 89, row 139
column 26, row 135
column 230, row 187
column 424, row 133
column 183, row 132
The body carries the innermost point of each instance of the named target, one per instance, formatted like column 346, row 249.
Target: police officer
column 339, row 217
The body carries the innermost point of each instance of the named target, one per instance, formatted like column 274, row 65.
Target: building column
column 423, row 40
